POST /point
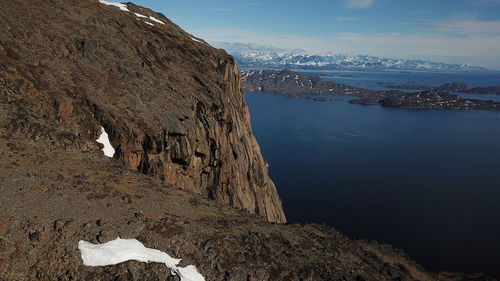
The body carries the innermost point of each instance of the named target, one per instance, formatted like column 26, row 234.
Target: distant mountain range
column 251, row 56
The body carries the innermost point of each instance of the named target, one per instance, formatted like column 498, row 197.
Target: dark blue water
column 425, row 181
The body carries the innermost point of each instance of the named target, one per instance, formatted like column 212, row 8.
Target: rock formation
column 171, row 104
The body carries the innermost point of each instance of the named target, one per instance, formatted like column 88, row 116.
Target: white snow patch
column 196, row 40
column 104, row 139
column 149, row 23
column 140, row 16
column 120, row 6
column 199, row 41
column 122, row 250
column 156, row 20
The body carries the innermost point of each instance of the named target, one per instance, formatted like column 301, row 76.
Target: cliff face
column 171, row 104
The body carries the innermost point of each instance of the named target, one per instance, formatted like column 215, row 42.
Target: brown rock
column 41, row 188
column 65, row 110
column 4, row 226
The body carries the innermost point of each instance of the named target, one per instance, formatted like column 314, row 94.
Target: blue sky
column 458, row 31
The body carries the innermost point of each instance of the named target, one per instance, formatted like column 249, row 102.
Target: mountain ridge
column 251, row 56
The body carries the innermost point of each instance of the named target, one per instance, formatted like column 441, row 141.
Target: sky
column 451, row 31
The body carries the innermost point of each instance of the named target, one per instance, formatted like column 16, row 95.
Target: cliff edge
column 171, row 104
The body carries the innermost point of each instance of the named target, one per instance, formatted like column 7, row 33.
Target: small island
column 297, row 84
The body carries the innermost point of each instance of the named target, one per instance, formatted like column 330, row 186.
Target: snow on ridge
column 198, row 40
column 104, row 140
column 120, row 6
column 140, row 16
column 258, row 58
column 156, row 20
column 123, row 7
column 122, row 250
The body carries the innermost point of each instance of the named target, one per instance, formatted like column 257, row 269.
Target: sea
column 425, row 181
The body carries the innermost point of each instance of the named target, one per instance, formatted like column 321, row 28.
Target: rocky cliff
column 171, row 104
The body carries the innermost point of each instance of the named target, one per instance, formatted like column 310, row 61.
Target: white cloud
column 359, row 3
column 474, row 49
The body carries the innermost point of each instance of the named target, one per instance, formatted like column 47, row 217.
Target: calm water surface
column 425, row 181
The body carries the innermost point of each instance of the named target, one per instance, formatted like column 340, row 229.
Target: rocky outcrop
column 171, row 104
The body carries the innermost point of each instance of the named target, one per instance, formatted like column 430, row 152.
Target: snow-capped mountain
column 255, row 56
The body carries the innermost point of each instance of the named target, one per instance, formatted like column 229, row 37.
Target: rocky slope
column 175, row 113
column 171, row 104
column 54, row 196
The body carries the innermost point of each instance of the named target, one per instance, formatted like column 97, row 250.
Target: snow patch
column 140, row 16
column 120, row 6
column 156, row 20
column 104, row 140
column 199, row 41
column 149, row 23
column 122, row 250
